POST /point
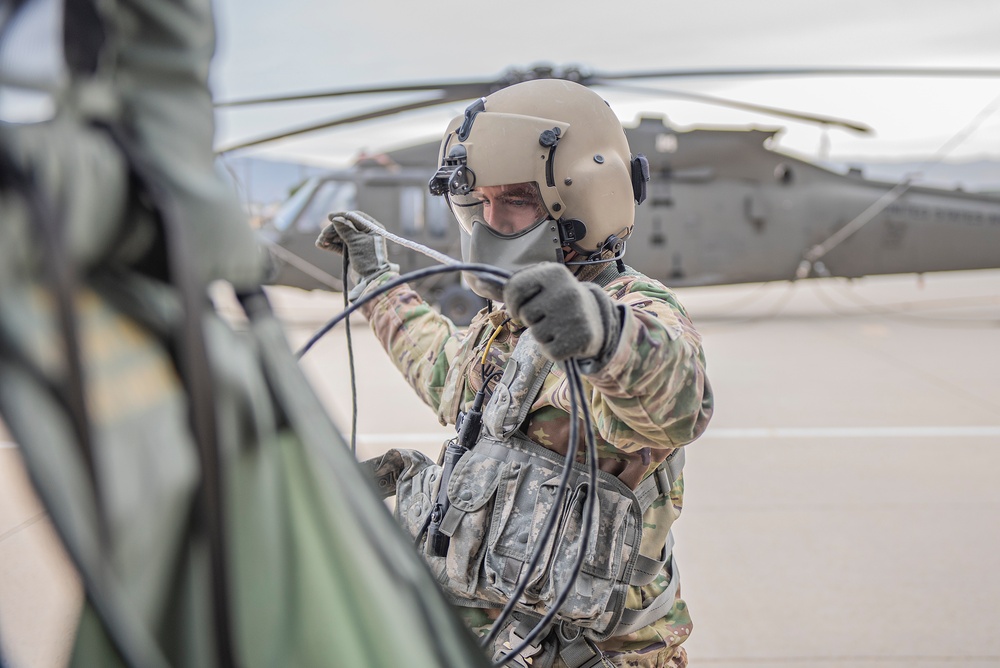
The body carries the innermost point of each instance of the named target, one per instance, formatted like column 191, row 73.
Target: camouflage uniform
column 650, row 398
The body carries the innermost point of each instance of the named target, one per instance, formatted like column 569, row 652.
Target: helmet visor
column 508, row 210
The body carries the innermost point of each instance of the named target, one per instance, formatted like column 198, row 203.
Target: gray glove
column 568, row 318
column 367, row 252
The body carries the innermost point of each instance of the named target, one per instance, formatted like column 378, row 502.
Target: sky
column 310, row 46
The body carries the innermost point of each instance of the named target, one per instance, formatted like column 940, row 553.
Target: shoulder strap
column 517, row 390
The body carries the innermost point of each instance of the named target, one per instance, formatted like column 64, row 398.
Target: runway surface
column 842, row 509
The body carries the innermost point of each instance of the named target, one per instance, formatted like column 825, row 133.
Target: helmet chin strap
column 612, row 244
column 572, row 230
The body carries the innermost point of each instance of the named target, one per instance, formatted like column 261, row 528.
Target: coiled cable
column 578, row 406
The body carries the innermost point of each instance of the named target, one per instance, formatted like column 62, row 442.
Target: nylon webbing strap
column 526, row 451
column 526, row 371
column 633, row 620
column 661, row 480
column 652, row 487
column 576, row 652
column 646, row 569
column 539, row 654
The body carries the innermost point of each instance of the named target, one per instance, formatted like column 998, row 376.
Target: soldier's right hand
column 366, row 249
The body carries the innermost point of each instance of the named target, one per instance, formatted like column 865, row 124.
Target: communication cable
column 574, row 437
column 550, row 521
column 350, row 361
column 493, row 272
column 486, row 352
column 437, row 256
column 578, row 405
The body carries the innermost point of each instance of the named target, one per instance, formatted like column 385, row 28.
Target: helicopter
column 724, row 207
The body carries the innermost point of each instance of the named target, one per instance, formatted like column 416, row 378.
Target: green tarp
column 213, row 511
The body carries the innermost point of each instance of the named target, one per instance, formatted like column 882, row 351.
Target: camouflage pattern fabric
column 652, row 397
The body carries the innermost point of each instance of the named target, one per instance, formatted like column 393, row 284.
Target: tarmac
column 841, row 510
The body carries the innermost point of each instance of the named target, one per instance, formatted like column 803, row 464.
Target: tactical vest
column 500, row 493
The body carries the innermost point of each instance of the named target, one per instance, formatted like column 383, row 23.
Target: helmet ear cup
column 640, row 177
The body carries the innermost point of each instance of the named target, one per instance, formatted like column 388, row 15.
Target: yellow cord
column 489, row 343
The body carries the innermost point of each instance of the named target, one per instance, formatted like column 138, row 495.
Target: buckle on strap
column 663, row 483
column 526, row 658
column 634, row 619
column 579, row 651
column 659, row 482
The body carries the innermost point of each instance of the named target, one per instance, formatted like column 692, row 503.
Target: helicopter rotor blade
column 472, row 89
column 369, row 115
column 744, row 106
column 451, row 91
column 802, row 71
column 455, row 90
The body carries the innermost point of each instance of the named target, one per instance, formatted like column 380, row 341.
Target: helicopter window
column 438, row 216
column 783, row 173
column 36, row 31
column 658, row 238
column 411, row 209
column 666, row 143
column 330, row 196
column 289, row 211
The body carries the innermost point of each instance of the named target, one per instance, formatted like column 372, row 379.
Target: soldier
column 541, row 180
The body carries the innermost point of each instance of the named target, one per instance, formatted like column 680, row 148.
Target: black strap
column 196, row 373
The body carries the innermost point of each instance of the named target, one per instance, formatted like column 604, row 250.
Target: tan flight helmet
column 564, row 138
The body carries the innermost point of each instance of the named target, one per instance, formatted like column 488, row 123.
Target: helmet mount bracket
column 454, row 175
column 471, row 112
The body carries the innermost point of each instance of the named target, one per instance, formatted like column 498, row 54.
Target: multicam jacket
column 649, row 399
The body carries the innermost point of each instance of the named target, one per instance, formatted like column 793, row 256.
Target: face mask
column 539, row 243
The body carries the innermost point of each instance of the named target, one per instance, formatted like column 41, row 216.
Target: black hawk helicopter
column 723, row 206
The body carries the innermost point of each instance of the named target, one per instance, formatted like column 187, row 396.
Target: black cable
column 394, row 283
column 196, row 373
column 576, row 399
column 60, row 274
column 576, row 387
column 132, row 651
column 350, row 361
column 550, row 521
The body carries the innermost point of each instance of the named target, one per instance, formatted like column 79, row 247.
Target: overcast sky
column 307, row 46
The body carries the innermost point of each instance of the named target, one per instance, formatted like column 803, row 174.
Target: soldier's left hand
column 568, row 318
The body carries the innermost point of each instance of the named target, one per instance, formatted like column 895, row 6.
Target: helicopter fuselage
column 722, row 208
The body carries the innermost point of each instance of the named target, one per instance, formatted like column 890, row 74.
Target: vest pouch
column 471, row 491
column 526, row 499
column 608, row 551
column 416, row 488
